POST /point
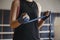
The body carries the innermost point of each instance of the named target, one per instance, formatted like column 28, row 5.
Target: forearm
column 15, row 24
column 40, row 23
column 13, row 12
column 46, row 15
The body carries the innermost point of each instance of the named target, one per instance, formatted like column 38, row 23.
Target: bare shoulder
column 16, row 2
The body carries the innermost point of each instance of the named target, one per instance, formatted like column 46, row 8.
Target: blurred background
column 50, row 29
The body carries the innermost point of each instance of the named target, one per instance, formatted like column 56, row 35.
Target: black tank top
column 27, row 31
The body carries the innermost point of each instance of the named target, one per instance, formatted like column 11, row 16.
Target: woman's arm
column 42, row 20
column 46, row 15
column 13, row 21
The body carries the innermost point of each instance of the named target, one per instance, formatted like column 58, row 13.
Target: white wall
column 57, row 28
column 5, row 4
column 53, row 5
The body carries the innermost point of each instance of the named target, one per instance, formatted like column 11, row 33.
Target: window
column 6, row 33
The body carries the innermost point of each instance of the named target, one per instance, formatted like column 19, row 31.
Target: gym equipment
column 33, row 20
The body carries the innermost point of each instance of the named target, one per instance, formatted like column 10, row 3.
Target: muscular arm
column 46, row 14
column 13, row 21
column 42, row 20
column 40, row 23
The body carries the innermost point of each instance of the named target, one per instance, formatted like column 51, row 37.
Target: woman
column 27, row 31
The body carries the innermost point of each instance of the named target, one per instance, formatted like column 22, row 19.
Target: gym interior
column 50, row 29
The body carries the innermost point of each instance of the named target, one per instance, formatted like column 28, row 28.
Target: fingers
column 26, row 15
column 47, row 13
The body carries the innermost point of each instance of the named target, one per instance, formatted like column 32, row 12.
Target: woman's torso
column 27, row 31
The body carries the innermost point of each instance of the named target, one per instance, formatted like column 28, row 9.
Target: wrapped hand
column 23, row 18
column 46, row 15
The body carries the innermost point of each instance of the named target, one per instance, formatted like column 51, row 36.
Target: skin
column 29, row 0
column 14, row 7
